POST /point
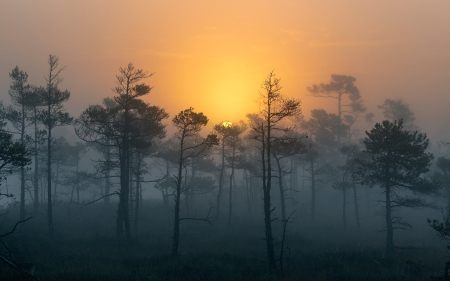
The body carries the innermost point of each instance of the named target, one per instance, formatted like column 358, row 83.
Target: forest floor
column 84, row 248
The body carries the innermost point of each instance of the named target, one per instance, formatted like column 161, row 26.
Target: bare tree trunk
column 219, row 194
column 267, row 204
column 138, row 186
column 186, row 192
column 280, row 185
column 339, row 115
column 126, row 201
column 22, row 168
column 313, row 191
column 389, row 227
column 107, row 179
column 49, row 175
column 230, row 203
column 355, row 200
column 36, row 166
column 247, row 192
column 123, row 219
column 176, row 221
column 55, row 197
column 78, row 180
column 136, row 210
column 344, row 205
column 22, row 193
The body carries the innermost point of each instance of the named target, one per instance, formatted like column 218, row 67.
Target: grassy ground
column 84, row 248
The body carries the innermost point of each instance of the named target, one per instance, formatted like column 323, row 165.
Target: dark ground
column 84, row 248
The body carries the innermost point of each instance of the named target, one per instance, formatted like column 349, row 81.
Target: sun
column 230, row 94
column 227, row 124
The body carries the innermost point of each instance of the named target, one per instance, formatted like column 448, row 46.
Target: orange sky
column 213, row 55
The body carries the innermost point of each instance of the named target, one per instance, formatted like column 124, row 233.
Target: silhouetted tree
column 222, row 129
column 188, row 124
column 288, row 145
column 34, row 101
column 18, row 114
column 75, row 153
column 324, row 129
column 275, row 108
column 167, row 152
column 53, row 115
column 397, row 161
column 319, row 172
column 349, row 170
column 234, row 143
column 139, row 168
column 61, row 157
column 122, row 123
column 340, row 86
column 396, row 110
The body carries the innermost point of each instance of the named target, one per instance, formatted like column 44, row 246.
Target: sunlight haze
column 214, row 55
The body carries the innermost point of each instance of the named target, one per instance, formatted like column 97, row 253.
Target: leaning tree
column 397, row 161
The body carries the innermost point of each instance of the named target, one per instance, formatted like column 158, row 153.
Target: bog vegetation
column 273, row 197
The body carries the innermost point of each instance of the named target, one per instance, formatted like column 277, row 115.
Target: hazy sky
column 214, row 55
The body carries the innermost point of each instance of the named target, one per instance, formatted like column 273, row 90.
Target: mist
column 224, row 140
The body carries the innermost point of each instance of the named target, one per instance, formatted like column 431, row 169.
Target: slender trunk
column 22, row 169
column 389, row 227
column 219, row 194
column 280, row 184
column 344, row 205
column 267, row 203
column 138, row 186
column 49, row 174
column 355, row 200
column 43, row 200
column 303, row 179
column 56, row 182
column 107, row 179
column 186, row 192
column 78, row 180
column 126, row 201
column 230, row 203
column 247, row 192
column 36, row 166
column 293, row 176
column 165, row 195
column 119, row 219
column 123, row 218
column 313, row 190
column 136, row 210
column 339, row 115
column 71, row 199
column 131, row 189
column 190, row 190
column 176, row 221
column 165, row 191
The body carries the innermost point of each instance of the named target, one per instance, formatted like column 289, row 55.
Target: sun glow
column 227, row 124
column 230, row 92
